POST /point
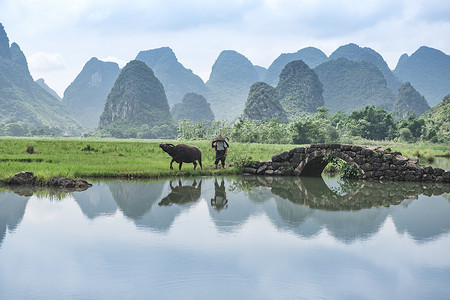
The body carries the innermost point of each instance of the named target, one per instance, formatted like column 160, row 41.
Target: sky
column 59, row 36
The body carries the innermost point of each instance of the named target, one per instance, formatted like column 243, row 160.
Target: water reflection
column 220, row 200
column 348, row 210
column 231, row 237
column 182, row 194
column 12, row 209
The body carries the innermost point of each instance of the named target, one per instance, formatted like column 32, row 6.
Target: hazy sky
column 59, row 36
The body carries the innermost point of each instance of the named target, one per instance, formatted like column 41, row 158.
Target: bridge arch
column 313, row 164
column 372, row 162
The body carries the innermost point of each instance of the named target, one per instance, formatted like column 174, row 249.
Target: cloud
column 45, row 62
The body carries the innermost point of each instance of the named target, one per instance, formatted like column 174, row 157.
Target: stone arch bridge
column 372, row 162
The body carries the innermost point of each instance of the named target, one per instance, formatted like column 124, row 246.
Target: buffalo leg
column 195, row 165
column 181, row 163
column 171, row 162
column 200, row 163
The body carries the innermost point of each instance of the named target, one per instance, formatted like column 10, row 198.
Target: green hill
column 231, row 77
column 176, row 79
column 22, row 101
column 193, row 107
column 137, row 106
column 86, row 95
column 263, row 104
column 299, row 90
column 428, row 70
column 310, row 55
column 438, row 120
column 409, row 101
column 356, row 53
column 350, row 86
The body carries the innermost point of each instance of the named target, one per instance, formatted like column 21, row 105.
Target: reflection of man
column 221, row 149
column 220, row 200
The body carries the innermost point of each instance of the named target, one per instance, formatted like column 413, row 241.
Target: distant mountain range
column 351, row 78
column 428, row 70
column 23, row 101
column 176, row 79
column 86, row 95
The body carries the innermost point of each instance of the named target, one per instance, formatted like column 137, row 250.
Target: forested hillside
column 299, row 90
column 263, row 104
column 176, row 79
column 137, row 106
column 354, row 52
column 230, row 80
column 194, row 107
column 310, row 55
column 428, row 70
column 350, row 85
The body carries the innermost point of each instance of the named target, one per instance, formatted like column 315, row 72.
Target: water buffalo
column 183, row 153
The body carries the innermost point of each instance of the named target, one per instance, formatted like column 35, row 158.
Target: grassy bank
column 113, row 158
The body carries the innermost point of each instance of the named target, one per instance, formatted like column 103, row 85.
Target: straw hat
column 220, row 138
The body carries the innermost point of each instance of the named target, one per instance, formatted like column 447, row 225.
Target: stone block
column 400, row 160
column 296, row 150
column 428, row 170
column 346, row 147
column 261, row 170
column 269, row 172
column 438, row 171
column 388, row 157
column 251, row 171
column 356, row 148
column 366, row 152
column 446, row 176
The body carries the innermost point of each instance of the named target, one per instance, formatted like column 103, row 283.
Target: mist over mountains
column 350, row 78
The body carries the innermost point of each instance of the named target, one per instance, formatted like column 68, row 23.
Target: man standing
column 221, row 149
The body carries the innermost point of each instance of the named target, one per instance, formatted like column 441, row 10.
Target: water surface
column 228, row 238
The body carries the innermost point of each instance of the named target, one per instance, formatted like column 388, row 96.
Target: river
column 227, row 238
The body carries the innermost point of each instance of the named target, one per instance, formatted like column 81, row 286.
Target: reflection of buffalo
column 183, row 153
column 182, row 194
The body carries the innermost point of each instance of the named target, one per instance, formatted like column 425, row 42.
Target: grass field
column 111, row 158
column 114, row 158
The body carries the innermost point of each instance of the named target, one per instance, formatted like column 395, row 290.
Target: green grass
column 114, row 158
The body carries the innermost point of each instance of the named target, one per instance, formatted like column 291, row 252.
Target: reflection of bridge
column 371, row 162
column 355, row 209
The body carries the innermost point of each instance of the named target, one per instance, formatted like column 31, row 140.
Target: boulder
column 22, row 178
column 62, row 182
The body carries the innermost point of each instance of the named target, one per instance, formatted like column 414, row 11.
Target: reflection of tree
column 182, row 194
column 12, row 209
column 220, row 200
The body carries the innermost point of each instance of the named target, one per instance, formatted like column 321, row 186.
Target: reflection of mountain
column 12, row 209
column 357, row 210
column 135, row 199
column 421, row 222
column 96, row 202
